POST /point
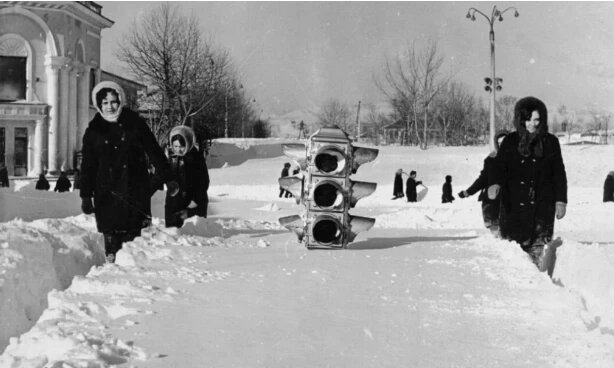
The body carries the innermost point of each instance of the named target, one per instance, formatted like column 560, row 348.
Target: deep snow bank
column 36, row 257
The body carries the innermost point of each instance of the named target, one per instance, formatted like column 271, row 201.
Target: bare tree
column 505, row 112
column 453, row 109
column 412, row 82
column 166, row 50
column 334, row 112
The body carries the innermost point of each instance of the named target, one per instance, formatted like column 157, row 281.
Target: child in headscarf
column 189, row 167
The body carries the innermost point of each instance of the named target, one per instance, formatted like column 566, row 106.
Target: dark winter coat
column 42, row 183
column 114, row 171
column 397, row 190
column 481, row 184
column 4, row 177
column 410, row 189
column 192, row 176
column 608, row 188
column 530, row 185
column 63, row 184
column 490, row 207
column 446, row 192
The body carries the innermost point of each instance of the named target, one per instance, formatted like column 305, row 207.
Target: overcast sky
column 295, row 55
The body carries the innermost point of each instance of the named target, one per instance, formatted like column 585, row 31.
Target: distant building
column 49, row 63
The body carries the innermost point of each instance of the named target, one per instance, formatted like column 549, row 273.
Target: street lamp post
column 495, row 15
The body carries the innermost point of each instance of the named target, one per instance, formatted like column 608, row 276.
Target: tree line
column 190, row 80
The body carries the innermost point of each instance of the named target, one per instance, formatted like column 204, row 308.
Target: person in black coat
column 189, row 167
column 397, row 190
column 410, row 187
column 608, row 187
column 446, row 190
column 63, row 184
column 4, row 175
column 42, row 183
column 531, row 177
column 490, row 207
column 285, row 172
column 114, row 178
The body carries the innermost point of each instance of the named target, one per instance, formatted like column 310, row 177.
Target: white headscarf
column 120, row 93
column 188, row 136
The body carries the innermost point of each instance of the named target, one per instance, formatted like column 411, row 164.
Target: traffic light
column 488, row 86
column 325, row 189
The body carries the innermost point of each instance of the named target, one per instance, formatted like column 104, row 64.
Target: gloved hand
column 561, row 209
column 87, row 206
column 493, row 191
column 463, row 194
column 172, row 188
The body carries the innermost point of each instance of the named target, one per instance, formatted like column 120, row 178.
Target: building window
column 12, row 78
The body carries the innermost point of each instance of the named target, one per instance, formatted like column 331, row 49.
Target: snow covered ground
column 428, row 286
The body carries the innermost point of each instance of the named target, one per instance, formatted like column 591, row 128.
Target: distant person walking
column 608, row 187
column 285, row 172
column 410, row 187
column 530, row 175
column 4, row 175
column 397, row 190
column 490, row 207
column 63, row 184
column 42, row 183
column 114, row 178
column 446, row 190
column 188, row 165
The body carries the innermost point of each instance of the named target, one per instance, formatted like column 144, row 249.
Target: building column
column 52, row 65
column 64, row 116
column 37, row 163
column 83, row 104
column 72, row 120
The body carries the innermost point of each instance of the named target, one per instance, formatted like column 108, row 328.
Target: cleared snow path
column 420, row 299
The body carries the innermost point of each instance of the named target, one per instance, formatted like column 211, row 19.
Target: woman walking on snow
column 189, row 167
column 114, row 177
column 530, row 174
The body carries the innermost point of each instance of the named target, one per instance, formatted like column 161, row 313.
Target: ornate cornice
column 77, row 9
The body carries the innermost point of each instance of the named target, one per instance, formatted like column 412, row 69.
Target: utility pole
column 358, row 122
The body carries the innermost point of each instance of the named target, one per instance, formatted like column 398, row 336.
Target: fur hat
column 530, row 142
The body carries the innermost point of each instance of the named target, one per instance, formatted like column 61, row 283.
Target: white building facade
column 49, row 63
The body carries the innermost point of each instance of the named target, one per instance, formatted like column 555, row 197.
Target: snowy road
column 426, row 287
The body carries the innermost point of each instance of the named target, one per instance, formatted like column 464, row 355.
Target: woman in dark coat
column 397, row 190
column 63, row 184
column 42, row 183
column 608, row 187
column 490, row 207
column 531, row 177
column 116, row 145
column 446, row 190
column 189, row 167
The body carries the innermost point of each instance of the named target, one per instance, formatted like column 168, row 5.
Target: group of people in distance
column 116, row 186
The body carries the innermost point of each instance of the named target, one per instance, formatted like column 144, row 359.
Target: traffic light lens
column 327, row 195
column 326, row 231
column 326, row 162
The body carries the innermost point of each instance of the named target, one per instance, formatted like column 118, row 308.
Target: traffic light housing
column 325, row 189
